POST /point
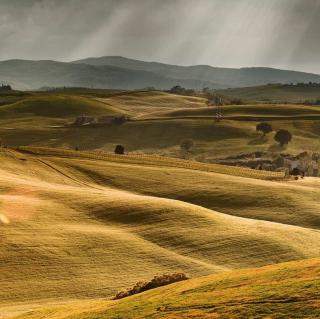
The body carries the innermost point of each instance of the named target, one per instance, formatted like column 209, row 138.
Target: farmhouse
column 84, row 120
column 90, row 120
column 308, row 163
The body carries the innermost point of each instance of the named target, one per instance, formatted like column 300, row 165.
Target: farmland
column 79, row 223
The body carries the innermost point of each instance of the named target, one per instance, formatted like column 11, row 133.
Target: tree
column 295, row 172
column 283, row 137
column 186, row 144
column 119, row 120
column 119, row 150
column 177, row 89
column 264, row 127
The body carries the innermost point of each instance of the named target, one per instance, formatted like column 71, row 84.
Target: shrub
column 283, row 137
column 236, row 102
column 264, row 127
column 119, row 150
column 186, row 144
column 157, row 281
column 119, row 120
column 295, row 172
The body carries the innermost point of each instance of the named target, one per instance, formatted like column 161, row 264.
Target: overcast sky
column 227, row 33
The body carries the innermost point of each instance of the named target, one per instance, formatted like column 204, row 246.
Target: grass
column 154, row 160
column 288, row 290
column 79, row 226
column 84, row 228
column 45, row 109
column 275, row 93
column 160, row 121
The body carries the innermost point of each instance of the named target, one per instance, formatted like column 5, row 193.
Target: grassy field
column 275, row 93
column 288, row 290
column 159, row 122
column 74, row 227
column 77, row 226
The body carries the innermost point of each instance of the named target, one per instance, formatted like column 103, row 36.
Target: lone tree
column 295, row 172
column 283, row 137
column 264, row 127
column 186, row 144
column 119, row 150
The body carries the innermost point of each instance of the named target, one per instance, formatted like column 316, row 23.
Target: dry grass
column 28, row 121
column 154, row 160
column 77, row 226
column 288, row 290
column 81, row 228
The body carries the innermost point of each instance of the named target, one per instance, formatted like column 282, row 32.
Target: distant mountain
column 220, row 77
column 122, row 73
column 26, row 74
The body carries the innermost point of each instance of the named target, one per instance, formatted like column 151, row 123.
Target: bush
column 264, row 127
column 186, row 144
column 283, row 137
column 237, row 102
column 177, row 89
column 119, row 120
column 157, row 281
column 119, row 150
column 295, row 172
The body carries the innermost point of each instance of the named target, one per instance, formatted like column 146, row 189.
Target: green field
column 78, row 226
column 276, row 93
column 158, row 122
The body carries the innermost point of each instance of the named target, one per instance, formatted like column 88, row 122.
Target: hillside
column 288, row 290
column 276, row 93
column 78, row 227
column 158, row 123
column 217, row 77
column 32, row 75
column 123, row 73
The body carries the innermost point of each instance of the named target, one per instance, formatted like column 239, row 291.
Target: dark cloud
column 234, row 33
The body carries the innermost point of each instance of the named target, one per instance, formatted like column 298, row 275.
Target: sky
column 226, row 33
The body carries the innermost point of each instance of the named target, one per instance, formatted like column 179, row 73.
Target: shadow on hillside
column 277, row 148
column 258, row 141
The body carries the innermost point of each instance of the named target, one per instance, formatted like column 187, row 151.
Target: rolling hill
column 288, row 290
column 158, row 123
column 123, row 73
column 77, row 225
column 276, row 93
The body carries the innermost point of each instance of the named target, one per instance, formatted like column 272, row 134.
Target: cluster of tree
column 312, row 102
column 177, row 89
column 304, row 84
column 5, row 87
column 217, row 99
column 282, row 136
column 299, row 84
column 118, row 120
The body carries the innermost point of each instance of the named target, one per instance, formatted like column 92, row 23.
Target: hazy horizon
column 280, row 34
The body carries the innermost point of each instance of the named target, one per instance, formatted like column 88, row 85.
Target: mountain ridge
column 116, row 72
